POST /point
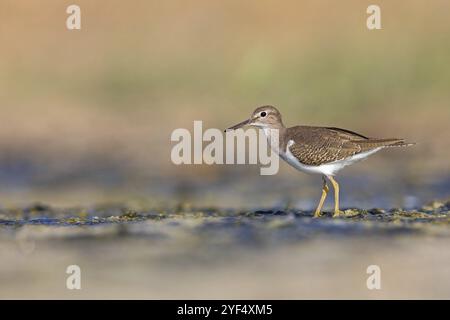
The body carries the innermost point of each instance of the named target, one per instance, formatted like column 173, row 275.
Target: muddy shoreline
column 208, row 253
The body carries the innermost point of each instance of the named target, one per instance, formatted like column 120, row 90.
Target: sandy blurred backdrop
column 86, row 118
column 86, row 115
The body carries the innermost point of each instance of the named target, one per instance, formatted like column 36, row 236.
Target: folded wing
column 318, row 145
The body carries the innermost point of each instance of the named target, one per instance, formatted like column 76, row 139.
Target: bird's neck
column 272, row 128
column 275, row 136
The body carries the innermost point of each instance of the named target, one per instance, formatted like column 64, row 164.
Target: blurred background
column 87, row 114
column 86, row 118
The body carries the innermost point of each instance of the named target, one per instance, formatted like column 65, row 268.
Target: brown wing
column 318, row 145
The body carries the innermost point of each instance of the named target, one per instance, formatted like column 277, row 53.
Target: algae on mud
column 258, row 227
column 39, row 214
column 186, row 252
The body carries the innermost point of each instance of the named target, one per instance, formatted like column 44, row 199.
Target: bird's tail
column 401, row 143
column 377, row 143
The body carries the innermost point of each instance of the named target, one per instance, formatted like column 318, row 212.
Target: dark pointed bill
column 239, row 125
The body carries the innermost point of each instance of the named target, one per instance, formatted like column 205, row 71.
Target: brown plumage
column 323, row 150
column 318, row 145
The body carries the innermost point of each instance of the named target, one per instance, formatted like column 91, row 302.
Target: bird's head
column 262, row 117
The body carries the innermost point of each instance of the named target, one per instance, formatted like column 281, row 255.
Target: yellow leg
column 322, row 198
column 337, row 212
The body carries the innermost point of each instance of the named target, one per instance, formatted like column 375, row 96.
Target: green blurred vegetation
column 110, row 94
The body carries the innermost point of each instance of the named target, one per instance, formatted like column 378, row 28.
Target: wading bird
column 319, row 150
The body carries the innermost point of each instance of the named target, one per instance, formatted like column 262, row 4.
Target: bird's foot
column 317, row 214
column 338, row 213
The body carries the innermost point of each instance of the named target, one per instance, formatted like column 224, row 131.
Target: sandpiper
column 319, row 150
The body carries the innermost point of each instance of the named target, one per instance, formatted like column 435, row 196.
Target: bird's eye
column 263, row 114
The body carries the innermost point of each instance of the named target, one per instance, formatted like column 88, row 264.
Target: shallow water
column 212, row 253
column 234, row 235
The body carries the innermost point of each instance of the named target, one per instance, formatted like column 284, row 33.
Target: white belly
column 330, row 168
